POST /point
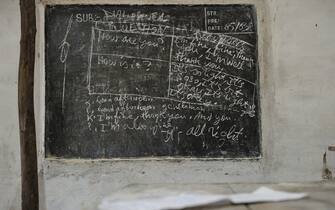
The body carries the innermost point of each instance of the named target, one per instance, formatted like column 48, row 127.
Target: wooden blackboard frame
column 102, row 2
column 55, row 119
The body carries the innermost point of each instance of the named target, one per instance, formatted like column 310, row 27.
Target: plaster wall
column 297, row 57
column 10, row 186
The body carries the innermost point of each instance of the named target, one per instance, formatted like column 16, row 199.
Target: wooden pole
column 29, row 174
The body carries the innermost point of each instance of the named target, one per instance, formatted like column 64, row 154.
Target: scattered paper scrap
column 264, row 194
column 189, row 199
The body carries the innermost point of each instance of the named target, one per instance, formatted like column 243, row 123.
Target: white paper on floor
column 189, row 199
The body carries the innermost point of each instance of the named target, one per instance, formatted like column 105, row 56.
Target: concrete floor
column 321, row 195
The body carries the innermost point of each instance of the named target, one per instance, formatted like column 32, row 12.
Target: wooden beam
column 29, row 174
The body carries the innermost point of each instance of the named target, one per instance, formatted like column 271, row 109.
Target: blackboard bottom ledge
column 162, row 158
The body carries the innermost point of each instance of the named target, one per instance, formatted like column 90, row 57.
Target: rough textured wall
column 9, row 128
column 298, row 98
column 303, row 66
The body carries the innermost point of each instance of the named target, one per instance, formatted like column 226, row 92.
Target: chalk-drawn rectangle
column 118, row 74
column 132, row 43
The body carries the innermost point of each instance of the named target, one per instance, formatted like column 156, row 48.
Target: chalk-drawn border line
column 90, row 54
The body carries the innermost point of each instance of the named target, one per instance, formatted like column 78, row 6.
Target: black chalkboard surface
column 151, row 80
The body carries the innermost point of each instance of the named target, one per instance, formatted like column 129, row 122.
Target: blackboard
column 151, row 81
